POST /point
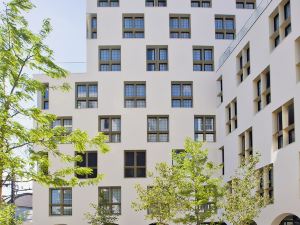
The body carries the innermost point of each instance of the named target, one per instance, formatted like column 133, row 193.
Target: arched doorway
column 290, row 220
column 253, row 223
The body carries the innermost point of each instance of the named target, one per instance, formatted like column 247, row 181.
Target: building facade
column 159, row 71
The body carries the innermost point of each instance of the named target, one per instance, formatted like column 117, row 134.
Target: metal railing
column 242, row 33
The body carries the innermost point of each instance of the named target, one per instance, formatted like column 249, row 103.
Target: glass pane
column 129, row 104
column 207, row 54
column 141, row 158
column 93, row 91
column 68, row 197
column 151, row 67
column 184, row 35
column 93, row 104
column 163, row 67
column 208, row 67
column 199, row 124
column 176, row 90
column 163, row 124
column 104, row 125
column 115, row 67
column 209, row 124
column 176, row 103
column 115, row 138
column 150, row 3
column 104, row 55
column 55, row 196
column 219, row 24
column 152, row 126
column 129, row 90
column 81, row 104
column 219, row 36
column 93, row 174
column 187, row 104
column 128, row 23
column 185, row 23
column 140, row 103
column 116, row 124
column 150, row 54
column 68, row 210
column 104, row 195
column 174, row 35
column 116, row 195
column 82, row 163
column 163, row 54
column 104, row 67
column 199, row 137
column 92, row 159
column 229, row 36
column 81, row 91
column 116, row 55
column 197, row 54
column 229, row 24
column 141, row 172
column 55, row 210
column 152, row 137
column 139, row 23
column 187, row 90
column 197, row 67
column 140, row 90
column 129, row 158
column 139, row 35
column 56, row 123
column 129, row 172
column 174, row 23
column 128, row 35
column 163, row 137
column 162, row 3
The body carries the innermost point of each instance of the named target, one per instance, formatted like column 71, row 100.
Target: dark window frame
column 157, row 132
column 180, row 30
column 203, row 62
column 109, row 3
column 61, row 204
column 86, row 160
column 110, row 203
column 135, row 98
column 246, row 4
column 204, row 132
column 201, row 3
column 156, row 3
column 134, row 30
column 157, row 61
column 135, row 167
column 225, row 31
column 110, row 62
column 87, row 98
column 45, row 97
column 110, row 133
column 182, row 98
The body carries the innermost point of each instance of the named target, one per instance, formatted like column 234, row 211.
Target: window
column 135, row 164
column 182, row 94
column 158, row 128
column 284, row 125
column 45, row 97
column 110, row 58
column 243, row 64
column 133, row 26
column 180, row 26
column 246, row 145
column 203, row 58
column 89, row 160
column 220, row 89
column 225, row 27
column 65, row 122
column 111, row 126
column 156, row 3
column 245, row 4
column 110, row 197
column 92, row 26
column 201, row 3
column 266, row 187
column 297, row 46
column 205, row 128
column 223, row 160
column 135, row 94
column 86, row 95
column 280, row 22
column 108, row 3
column 157, row 58
column 262, row 87
column 231, row 116
column 61, row 202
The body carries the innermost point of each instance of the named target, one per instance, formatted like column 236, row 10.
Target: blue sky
column 68, row 39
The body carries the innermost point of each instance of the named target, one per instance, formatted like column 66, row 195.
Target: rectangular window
column 225, row 26
column 203, row 58
column 220, row 89
column 86, row 95
column 89, row 160
column 266, row 187
column 110, row 197
column 156, row 3
column 133, row 26
column 65, row 122
column 180, row 26
column 61, row 202
column 91, row 26
column 45, row 97
column 157, row 58
column 223, row 160
column 245, row 4
column 158, row 128
column 246, row 145
column 111, row 126
column 231, row 111
column 182, row 94
column 262, row 85
column 108, row 3
column 287, row 10
column 201, row 3
column 243, row 64
column 205, row 130
column 135, row 164
column 135, row 94
column 109, row 58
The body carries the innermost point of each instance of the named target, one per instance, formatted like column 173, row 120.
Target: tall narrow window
column 89, row 160
column 182, row 94
column 158, row 128
column 201, row 3
column 86, row 95
column 133, row 26
column 111, row 126
column 135, row 94
column 109, row 58
column 243, row 64
column 205, row 128
column 225, row 27
column 203, row 58
column 108, row 3
column 262, row 86
column 157, row 58
column 92, row 26
column 110, row 197
column 223, row 160
column 135, row 164
column 156, row 3
column 180, row 26
column 220, row 89
column 231, row 111
column 246, row 145
column 45, row 97
column 61, row 202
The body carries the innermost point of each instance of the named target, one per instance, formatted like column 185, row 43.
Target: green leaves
column 7, row 215
column 102, row 216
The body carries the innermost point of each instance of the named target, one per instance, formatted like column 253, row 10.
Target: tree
column 102, row 216
column 7, row 215
column 22, row 50
column 159, row 199
column 199, row 188
column 242, row 203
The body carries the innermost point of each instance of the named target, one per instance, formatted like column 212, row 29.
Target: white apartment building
column 159, row 71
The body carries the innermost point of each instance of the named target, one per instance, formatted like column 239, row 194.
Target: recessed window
column 92, row 26
column 110, row 198
column 297, row 46
column 231, row 116
column 45, row 97
column 245, row 4
column 203, row 58
column 205, row 128
column 135, row 164
column 86, row 95
column 243, row 64
column 225, row 27
column 246, row 145
column 65, row 122
column 111, row 126
column 133, row 26
column 108, row 3
column 220, row 89
column 201, row 3
column 158, row 128
column 157, row 58
column 135, row 94
column 262, row 87
column 180, row 26
column 109, row 58
column 61, row 202
column 223, row 159
column 182, row 94
column 156, row 3
column 89, row 160
column 266, row 186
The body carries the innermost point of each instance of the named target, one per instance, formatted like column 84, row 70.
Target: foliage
column 242, row 203
column 22, row 50
column 7, row 215
column 102, row 216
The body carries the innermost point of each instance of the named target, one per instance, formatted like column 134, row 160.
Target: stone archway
column 286, row 219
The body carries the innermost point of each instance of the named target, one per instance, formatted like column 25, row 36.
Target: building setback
column 158, row 71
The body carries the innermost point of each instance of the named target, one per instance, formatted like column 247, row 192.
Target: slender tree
column 102, row 216
column 22, row 50
column 242, row 203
